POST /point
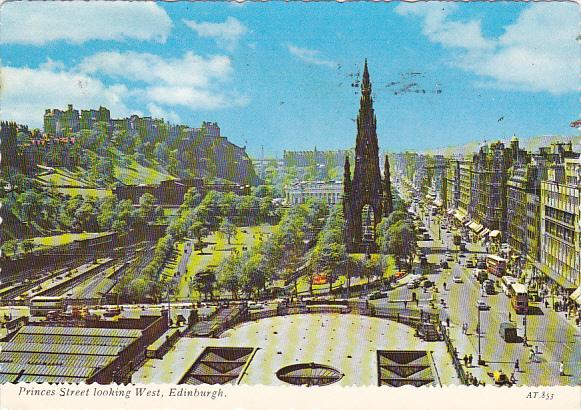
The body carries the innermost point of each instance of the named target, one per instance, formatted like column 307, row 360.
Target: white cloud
column 39, row 23
column 226, row 34
column 309, row 56
column 120, row 80
column 191, row 69
column 28, row 92
column 158, row 112
column 192, row 80
column 538, row 52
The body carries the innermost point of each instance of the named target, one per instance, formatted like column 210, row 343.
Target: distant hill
column 529, row 143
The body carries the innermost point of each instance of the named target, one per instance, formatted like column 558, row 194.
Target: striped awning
column 576, row 296
column 475, row 227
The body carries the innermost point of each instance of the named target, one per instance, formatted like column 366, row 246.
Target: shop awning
column 484, row 232
column 554, row 276
column 576, row 296
column 460, row 216
column 494, row 234
column 475, row 227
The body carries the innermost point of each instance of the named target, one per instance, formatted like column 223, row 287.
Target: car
column 470, row 263
column 481, row 265
column 457, row 279
column 462, row 255
column 489, row 287
column 444, row 265
column 378, row 295
column 449, row 258
column 481, row 305
column 413, row 284
column 427, row 284
column 256, row 306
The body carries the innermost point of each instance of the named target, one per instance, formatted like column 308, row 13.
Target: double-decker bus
column 496, row 265
column 519, row 298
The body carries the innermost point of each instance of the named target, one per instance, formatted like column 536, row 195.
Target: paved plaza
column 346, row 342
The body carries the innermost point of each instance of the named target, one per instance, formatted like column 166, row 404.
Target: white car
column 256, row 306
column 481, row 305
column 457, row 279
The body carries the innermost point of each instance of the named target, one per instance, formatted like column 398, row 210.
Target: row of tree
column 276, row 257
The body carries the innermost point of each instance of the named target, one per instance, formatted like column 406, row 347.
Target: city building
column 100, row 351
column 560, row 226
column 489, row 176
column 367, row 199
column 300, row 192
column 452, row 182
column 524, row 199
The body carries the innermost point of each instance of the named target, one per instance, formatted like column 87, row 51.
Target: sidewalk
column 464, row 346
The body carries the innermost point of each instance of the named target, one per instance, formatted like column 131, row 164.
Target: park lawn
column 214, row 254
column 85, row 192
column 134, row 173
column 59, row 179
column 66, row 238
column 170, row 267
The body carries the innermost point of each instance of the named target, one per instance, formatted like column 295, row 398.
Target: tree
column 399, row 240
column 28, row 246
column 9, row 247
column 147, row 209
column 227, row 228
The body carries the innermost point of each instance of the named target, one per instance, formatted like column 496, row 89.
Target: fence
column 423, row 321
column 453, row 353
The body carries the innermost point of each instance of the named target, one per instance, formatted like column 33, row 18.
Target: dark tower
column 366, row 197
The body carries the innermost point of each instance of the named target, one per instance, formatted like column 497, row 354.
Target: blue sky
column 279, row 74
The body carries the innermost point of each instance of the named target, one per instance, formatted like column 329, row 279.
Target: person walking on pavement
column 465, row 361
column 562, row 368
column 509, row 317
column 448, row 322
column 470, row 359
column 516, row 366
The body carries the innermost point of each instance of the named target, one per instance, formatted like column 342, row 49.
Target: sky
column 283, row 75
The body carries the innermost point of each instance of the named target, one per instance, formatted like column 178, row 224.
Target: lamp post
column 524, row 321
column 480, row 361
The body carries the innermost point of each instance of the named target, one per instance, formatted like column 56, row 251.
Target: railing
column 454, row 354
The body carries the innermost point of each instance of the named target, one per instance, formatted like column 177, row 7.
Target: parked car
column 470, row 263
column 378, row 295
column 481, row 305
column 481, row 265
column 444, row 264
column 256, row 306
column 413, row 284
column 457, row 279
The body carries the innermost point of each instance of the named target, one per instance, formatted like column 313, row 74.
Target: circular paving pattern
column 309, row 374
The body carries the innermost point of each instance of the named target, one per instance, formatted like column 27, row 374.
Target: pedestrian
column 516, row 366
column 465, row 361
column 509, row 317
column 448, row 322
column 470, row 359
column 512, row 378
column 532, row 355
column 562, row 368
column 405, row 304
